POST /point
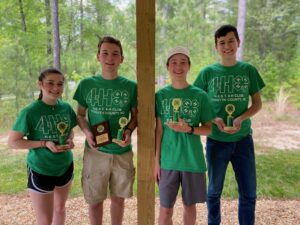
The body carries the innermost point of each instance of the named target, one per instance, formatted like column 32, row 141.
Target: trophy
column 123, row 121
column 62, row 127
column 101, row 133
column 229, row 108
column 176, row 103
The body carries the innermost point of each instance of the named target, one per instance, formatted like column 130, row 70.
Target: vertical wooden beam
column 145, row 29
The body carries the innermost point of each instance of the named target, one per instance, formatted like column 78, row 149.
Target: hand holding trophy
column 101, row 132
column 123, row 121
column 229, row 108
column 176, row 103
column 62, row 127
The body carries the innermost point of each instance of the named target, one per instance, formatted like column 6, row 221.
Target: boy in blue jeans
column 229, row 84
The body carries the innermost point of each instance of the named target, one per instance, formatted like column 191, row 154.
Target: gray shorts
column 193, row 187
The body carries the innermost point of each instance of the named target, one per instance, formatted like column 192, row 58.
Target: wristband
column 192, row 130
column 43, row 144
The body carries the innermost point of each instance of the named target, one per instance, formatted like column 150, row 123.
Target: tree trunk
column 81, row 28
column 27, row 55
column 55, row 31
column 23, row 21
column 241, row 23
column 49, row 34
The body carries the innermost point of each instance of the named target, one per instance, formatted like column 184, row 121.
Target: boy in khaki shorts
column 107, row 97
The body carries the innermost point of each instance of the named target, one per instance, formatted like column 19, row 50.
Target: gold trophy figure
column 62, row 127
column 123, row 121
column 229, row 108
column 176, row 103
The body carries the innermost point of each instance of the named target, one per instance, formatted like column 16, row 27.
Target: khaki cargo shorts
column 103, row 172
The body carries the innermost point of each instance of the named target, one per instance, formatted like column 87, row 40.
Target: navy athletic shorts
column 46, row 184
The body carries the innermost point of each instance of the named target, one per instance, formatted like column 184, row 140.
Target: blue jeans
column 241, row 155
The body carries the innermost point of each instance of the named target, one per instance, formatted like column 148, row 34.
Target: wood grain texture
column 145, row 16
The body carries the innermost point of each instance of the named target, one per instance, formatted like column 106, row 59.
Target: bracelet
column 192, row 131
column 127, row 128
column 43, row 144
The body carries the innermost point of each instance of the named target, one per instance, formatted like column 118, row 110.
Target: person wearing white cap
column 183, row 113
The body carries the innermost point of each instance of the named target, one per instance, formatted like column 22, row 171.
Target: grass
column 277, row 174
column 12, row 172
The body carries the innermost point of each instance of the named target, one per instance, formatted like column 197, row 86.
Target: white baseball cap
column 178, row 50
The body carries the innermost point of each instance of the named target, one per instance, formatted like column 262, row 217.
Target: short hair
column 225, row 29
column 112, row 40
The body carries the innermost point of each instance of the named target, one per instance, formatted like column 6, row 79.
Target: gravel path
column 16, row 210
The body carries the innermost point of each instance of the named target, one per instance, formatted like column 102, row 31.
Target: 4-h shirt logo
column 190, row 107
column 229, row 88
column 120, row 98
column 240, row 83
column 47, row 125
column 101, row 97
column 229, row 84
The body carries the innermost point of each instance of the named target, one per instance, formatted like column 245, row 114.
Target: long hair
column 44, row 73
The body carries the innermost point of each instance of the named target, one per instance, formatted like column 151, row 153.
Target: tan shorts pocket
column 94, row 186
column 122, row 183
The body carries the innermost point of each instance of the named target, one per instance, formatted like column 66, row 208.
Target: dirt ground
column 268, row 133
column 17, row 210
column 281, row 133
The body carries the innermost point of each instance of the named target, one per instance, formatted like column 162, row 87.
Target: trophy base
column 117, row 141
column 229, row 128
column 62, row 147
column 175, row 123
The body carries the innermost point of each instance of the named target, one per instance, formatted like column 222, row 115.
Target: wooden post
column 145, row 29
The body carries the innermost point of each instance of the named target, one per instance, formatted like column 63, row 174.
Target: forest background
column 271, row 43
column 31, row 40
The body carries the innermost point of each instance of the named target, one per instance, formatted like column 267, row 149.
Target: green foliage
column 13, row 172
column 76, row 185
column 9, row 111
column 277, row 176
column 271, row 40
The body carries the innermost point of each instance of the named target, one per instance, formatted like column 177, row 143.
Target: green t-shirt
column 38, row 121
column 230, row 85
column 182, row 151
column 107, row 100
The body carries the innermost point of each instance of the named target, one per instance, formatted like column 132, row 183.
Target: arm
column 70, row 140
column 84, row 126
column 158, row 136
column 256, row 105
column 204, row 129
column 16, row 140
column 130, row 127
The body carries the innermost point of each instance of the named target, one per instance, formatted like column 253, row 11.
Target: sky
column 122, row 4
